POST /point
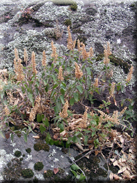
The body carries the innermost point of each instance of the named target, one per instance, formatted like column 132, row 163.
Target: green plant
column 50, row 93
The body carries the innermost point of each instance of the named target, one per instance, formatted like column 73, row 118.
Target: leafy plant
column 49, row 93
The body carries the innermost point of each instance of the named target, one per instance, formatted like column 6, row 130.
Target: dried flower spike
column 84, row 119
column 78, row 72
column 96, row 82
column 129, row 76
column 25, row 56
column 60, row 77
column 112, row 88
column 33, row 63
column 84, row 53
column 16, row 53
column 44, row 58
column 64, row 113
column 19, row 72
column 54, row 54
column 6, row 111
column 70, row 43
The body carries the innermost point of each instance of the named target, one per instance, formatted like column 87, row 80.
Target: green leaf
column 76, row 96
column 47, row 88
column 75, row 174
column 61, row 126
column 74, row 139
column 81, row 177
column 86, row 139
column 30, row 96
column 93, row 133
column 74, row 167
column 88, row 70
column 42, row 129
column 62, row 99
column 12, row 137
column 40, row 117
column 55, row 86
column 72, row 101
column 48, row 138
column 54, row 78
column 46, row 123
column 80, row 88
column 2, row 134
column 25, row 137
column 62, row 91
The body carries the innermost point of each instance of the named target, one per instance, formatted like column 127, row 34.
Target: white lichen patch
column 56, row 160
column 62, row 156
column 29, row 157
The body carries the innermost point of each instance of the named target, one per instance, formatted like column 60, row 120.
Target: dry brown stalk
column 70, row 42
column 54, row 54
column 108, row 49
column 44, row 58
column 122, row 112
column 84, row 119
column 57, row 31
column 64, row 113
column 112, row 88
column 19, row 71
column 16, row 53
column 25, row 56
column 78, row 72
column 33, row 63
column 84, row 53
column 60, row 77
column 129, row 76
column 96, row 82
column 91, row 52
column 6, row 111
column 106, row 59
column 34, row 109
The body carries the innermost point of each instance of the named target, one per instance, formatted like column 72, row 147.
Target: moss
column 100, row 57
column 40, row 146
column 61, row 171
column 48, row 174
column 23, row 155
column 78, row 30
column 82, row 39
column 35, row 180
column 28, row 150
column 17, row 153
column 117, row 61
column 27, row 173
column 67, row 22
column 38, row 166
column 73, row 7
column 21, row 159
column 101, row 172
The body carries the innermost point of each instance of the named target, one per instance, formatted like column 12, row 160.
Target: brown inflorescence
column 78, row 72
column 64, row 113
column 33, row 63
column 60, row 77
column 44, row 58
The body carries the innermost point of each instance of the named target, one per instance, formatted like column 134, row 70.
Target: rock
column 91, row 11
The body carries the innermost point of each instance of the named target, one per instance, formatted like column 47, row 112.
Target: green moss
column 38, row 166
column 21, row 159
column 67, row 22
column 73, row 7
column 23, row 155
column 27, row 173
column 48, row 174
column 101, row 172
column 35, row 180
column 17, row 153
column 117, row 61
column 78, row 30
column 63, row 2
column 100, row 57
column 40, row 146
column 61, row 171
column 28, row 150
